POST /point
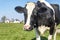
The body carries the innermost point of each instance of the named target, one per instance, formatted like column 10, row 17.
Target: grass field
column 15, row 32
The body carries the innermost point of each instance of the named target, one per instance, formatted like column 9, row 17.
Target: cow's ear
column 19, row 9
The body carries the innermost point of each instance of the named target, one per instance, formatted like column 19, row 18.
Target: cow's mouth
column 28, row 28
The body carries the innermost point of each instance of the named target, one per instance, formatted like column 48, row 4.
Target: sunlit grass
column 11, row 31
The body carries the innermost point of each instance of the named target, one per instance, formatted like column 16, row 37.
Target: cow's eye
column 32, row 16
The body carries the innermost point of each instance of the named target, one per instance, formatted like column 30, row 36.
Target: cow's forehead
column 30, row 6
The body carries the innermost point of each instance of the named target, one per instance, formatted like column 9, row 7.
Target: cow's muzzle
column 27, row 28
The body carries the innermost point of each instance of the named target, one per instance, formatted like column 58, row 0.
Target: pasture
column 11, row 31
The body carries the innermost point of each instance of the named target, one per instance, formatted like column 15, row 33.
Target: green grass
column 15, row 32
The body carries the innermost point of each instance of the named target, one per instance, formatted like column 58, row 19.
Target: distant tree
column 17, row 19
column 12, row 19
column 3, row 19
column 22, row 22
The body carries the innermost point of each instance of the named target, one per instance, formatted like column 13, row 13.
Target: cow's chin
column 28, row 28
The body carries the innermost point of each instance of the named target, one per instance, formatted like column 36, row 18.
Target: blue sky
column 7, row 7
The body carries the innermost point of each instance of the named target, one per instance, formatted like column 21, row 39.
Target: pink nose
column 26, row 27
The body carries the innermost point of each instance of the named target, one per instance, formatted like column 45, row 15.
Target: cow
column 40, row 17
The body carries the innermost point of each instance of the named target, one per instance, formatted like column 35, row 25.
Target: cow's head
column 28, row 14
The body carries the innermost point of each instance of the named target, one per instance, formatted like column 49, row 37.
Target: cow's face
column 44, row 15
column 28, row 14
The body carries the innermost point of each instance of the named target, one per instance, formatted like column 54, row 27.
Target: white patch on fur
column 42, row 29
column 37, row 34
column 50, row 37
column 30, row 6
column 41, row 0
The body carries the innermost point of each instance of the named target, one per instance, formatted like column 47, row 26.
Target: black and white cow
column 40, row 16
